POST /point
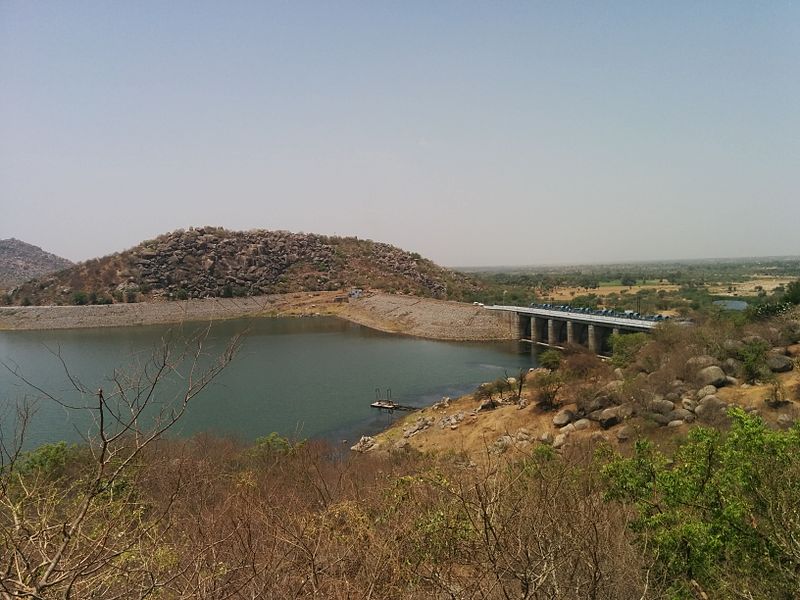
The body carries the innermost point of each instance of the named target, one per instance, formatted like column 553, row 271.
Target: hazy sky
column 473, row 133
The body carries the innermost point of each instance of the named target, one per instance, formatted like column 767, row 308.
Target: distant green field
column 617, row 282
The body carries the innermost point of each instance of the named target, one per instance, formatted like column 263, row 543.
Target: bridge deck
column 622, row 322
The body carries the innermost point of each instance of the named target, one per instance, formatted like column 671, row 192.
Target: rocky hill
column 214, row 262
column 20, row 261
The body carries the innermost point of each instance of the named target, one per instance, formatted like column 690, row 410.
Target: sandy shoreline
column 407, row 315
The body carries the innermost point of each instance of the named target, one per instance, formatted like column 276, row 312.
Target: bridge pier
column 551, row 332
column 570, row 332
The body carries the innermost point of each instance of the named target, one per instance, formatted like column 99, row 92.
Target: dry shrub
column 308, row 523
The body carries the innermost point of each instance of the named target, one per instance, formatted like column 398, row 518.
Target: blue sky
column 473, row 133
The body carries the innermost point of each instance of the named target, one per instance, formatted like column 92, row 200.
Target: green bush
column 550, row 359
column 721, row 513
column 80, row 298
column 625, row 347
column 753, row 355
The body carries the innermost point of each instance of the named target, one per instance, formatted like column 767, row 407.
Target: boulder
column 487, row 404
column 793, row 350
column 778, row 363
column 523, row 435
column 599, row 403
column 708, row 390
column 779, row 350
column 619, row 374
column 451, row 420
column 688, row 404
column 420, row 424
column 732, row 381
column 709, row 406
column 785, row 421
column 711, row 375
column 675, row 423
column 365, row 444
column 595, row 415
column 673, row 397
column 569, row 428
column 733, row 347
column 546, row 438
column 657, row 418
column 625, row 433
column 661, row 405
column 609, row 417
column 681, row 414
column 560, row 440
column 503, row 443
column 731, row 366
column 582, row 424
column 563, row 417
column 701, row 362
column 441, row 404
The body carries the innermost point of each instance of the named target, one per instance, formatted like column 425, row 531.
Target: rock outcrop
column 214, row 262
column 20, row 261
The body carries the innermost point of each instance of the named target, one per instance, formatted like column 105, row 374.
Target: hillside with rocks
column 20, row 261
column 214, row 262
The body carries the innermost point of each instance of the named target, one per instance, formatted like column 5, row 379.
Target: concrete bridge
column 557, row 327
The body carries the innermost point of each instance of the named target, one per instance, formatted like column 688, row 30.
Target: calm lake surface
column 303, row 378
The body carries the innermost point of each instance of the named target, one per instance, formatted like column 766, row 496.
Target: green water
column 305, row 378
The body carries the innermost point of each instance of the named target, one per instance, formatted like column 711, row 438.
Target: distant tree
column 792, row 292
column 628, row 281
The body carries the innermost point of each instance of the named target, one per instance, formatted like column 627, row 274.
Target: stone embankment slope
column 428, row 318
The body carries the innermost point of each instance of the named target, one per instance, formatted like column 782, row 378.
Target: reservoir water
column 303, row 378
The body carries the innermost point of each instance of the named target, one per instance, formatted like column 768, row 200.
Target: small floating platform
column 389, row 405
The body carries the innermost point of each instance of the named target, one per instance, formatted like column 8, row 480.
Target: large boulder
column 563, row 417
column 711, row 375
column 778, row 363
column 661, row 405
column 609, row 417
column 709, row 407
column 681, row 414
column 731, row 366
column 701, row 362
column 793, row 350
column 708, row 390
column 657, row 418
column 582, row 424
column 599, row 403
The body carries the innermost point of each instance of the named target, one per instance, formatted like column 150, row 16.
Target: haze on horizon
column 475, row 134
